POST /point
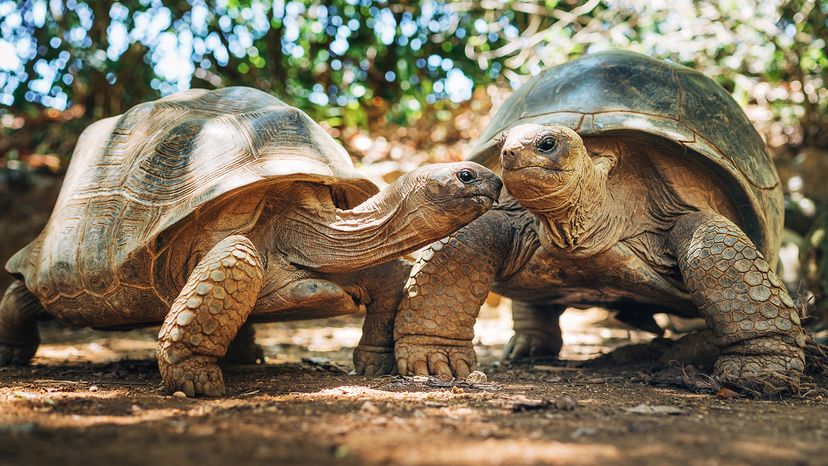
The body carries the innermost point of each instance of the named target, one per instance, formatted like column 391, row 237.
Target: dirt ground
column 94, row 398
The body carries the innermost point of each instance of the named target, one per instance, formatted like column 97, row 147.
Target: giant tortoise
column 205, row 210
column 633, row 184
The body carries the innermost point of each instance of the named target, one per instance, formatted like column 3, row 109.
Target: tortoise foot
column 196, row 375
column 208, row 315
column 19, row 336
column 763, row 374
column 443, row 361
column 526, row 346
column 374, row 361
column 17, row 355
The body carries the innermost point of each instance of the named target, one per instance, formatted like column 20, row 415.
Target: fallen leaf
column 727, row 393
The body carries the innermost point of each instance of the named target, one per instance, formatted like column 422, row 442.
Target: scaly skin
column 19, row 337
column 435, row 323
column 537, row 332
column 206, row 316
column 745, row 304
column 375, row 353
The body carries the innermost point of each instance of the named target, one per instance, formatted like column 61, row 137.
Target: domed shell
column 623, row 92
column 135, row 175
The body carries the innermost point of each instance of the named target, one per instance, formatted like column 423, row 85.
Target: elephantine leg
column 19, row 338
column 206, row 316
column 537, row 332
column 743, row 301
column 375, row 353
column 434, row 327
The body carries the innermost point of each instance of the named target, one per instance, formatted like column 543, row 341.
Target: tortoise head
column 420, row 207
column 549, row 171
column 540, row 160
column 444, row 197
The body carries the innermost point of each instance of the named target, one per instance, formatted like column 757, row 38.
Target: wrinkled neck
column 314, row 234
column 578, row 215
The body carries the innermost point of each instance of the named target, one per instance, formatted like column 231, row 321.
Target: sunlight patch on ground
column 586, row 333
column 490, row 451
column 314, row 339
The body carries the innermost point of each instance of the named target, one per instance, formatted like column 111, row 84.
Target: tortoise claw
column 196, row 375
column 761, row 375
column 373, row 361
column 444, row 362
column 16, row 355
column 528, row 346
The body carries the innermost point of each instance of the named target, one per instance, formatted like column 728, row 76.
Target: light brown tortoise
column 633, row 184
column 207, row 210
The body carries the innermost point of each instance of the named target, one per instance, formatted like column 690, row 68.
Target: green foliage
column 363, row 62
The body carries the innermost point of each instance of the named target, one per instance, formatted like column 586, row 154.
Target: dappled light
column 653, row 275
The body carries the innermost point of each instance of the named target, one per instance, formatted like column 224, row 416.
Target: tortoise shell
column 134, row 176
column 621, row 92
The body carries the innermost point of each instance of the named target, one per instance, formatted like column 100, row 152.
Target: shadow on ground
column 94, row 399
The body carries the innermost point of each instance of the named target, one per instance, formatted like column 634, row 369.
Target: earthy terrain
column 94, row 398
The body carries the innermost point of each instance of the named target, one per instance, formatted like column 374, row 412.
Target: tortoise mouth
column 485, row 200
column 477, row 197
column 539, row 167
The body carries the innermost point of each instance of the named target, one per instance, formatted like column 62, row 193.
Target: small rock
column 179, row 395
column 457, row 390
column 566, row 403
column 477, row 377
column 93, row 388
column 647, row 409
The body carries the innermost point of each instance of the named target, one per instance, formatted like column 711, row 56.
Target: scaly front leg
column 537, row 332
column 745, row 304
column 435, row 323
column 19, row 338
column 206, row 316
column 375, row 353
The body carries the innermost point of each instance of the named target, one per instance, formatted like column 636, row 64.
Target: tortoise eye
column 547, row 144
column 466, row 176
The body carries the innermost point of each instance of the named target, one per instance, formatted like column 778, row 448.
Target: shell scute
column 623, row 92
column 135, row 176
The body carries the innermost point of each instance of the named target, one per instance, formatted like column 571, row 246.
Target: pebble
column 477, row 377
column 180, row 395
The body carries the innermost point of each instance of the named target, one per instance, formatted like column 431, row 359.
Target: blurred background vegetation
column 400, row 83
